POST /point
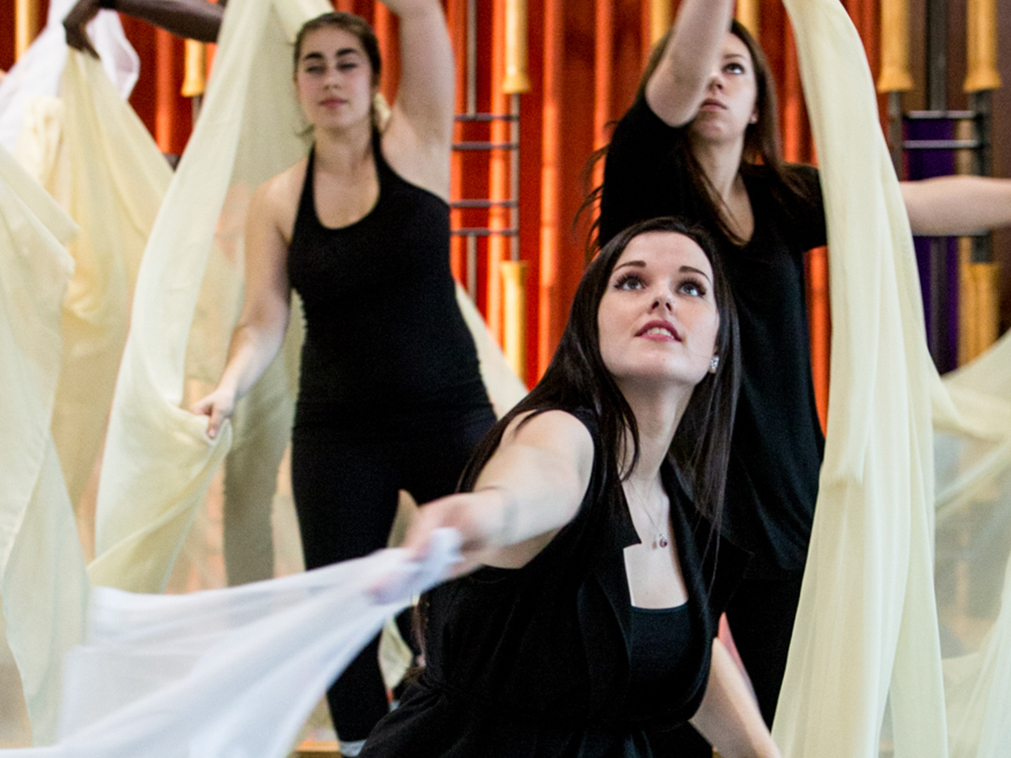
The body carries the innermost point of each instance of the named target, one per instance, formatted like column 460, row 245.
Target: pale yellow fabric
column 118, row 180
column 42, row 579
column 867, row 632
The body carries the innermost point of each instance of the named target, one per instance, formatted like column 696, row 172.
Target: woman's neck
column 343, row 151
column 657, row 415
column 721, row 163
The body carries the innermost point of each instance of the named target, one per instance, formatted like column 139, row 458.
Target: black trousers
column 761, row 615
column 346, row 491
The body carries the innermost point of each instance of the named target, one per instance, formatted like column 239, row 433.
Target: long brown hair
column 761, row 143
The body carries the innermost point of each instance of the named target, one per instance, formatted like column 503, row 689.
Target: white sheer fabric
column 38, row 72
column 230, row 672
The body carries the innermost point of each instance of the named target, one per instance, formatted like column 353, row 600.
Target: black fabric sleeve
column 807, row 209
column 644, row 173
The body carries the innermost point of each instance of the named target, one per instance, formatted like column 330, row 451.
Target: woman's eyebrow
column 316, row 55
column 638, row 264
column 698, row 271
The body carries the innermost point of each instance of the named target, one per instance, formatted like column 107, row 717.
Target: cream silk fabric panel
column 158, row 463
column 167, row 676
column 37, row 73
column 867, row 631
column 115, row 180
column 42, row 579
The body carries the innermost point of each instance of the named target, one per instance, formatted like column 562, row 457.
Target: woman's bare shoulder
column 276, row 200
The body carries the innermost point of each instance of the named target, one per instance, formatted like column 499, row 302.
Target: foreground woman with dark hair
column 597, row 579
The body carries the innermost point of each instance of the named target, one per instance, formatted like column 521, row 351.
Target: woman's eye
column 693, row 288
column 734, row 68
column 347, row 66
column 315, row 69
column 629, row 282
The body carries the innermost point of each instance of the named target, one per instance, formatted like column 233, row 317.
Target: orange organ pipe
column 498, row 174
column 456, row 12
column 165, row 91
column 602, row 72
column 549, row 304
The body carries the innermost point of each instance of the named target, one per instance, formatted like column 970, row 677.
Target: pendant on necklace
column 661, row 540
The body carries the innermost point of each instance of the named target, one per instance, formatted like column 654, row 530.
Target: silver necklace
column 660, row 540
column 659, row 535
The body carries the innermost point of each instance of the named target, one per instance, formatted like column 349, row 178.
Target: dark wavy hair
column 577, row 378
column 350, row 23
column 761, row 143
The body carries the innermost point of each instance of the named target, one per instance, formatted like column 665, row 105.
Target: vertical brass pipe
column 514, row 343
column 517, row 78
column 981, row 45
column 660, row 19
column 194, row 68
column 749, row 13
column 26, row 25
column 895, row 76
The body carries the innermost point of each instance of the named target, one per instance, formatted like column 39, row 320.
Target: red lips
column 660, row 324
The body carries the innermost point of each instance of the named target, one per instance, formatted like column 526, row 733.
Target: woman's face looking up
column 730, row 104
column 658, row 319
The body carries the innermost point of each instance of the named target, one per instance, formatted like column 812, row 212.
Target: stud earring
column 714, row 364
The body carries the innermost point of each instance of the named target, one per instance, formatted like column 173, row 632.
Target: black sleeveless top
column 383, row 330
column 540, row 661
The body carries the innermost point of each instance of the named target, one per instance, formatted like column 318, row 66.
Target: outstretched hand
column 217, row 406
column 74, row 24
column 478, row 517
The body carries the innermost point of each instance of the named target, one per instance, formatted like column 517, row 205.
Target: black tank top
column 666, row 645
column 383, row 331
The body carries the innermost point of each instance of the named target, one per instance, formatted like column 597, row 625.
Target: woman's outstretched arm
column 420, row 131
column 678, row 85
column 266, row 308
column 528, row 490
column 728, row 716
column 193, row 19
column 954, row 205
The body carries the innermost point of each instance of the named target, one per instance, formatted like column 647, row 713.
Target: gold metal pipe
column 26, row 25
column 517, row 79
column 895, row 76
column 749, row 13
column 660, row 19
column 981, row 45
column 514, row 276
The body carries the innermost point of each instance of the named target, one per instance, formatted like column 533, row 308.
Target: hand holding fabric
column 79, row 17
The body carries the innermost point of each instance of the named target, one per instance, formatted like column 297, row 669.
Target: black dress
column 777, row 449
column 536, row 662
column 390, row 395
